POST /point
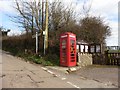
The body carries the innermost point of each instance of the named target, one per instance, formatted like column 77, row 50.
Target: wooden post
column 46, row 26
column 106, row 58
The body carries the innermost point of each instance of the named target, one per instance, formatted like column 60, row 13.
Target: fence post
column 106, row 58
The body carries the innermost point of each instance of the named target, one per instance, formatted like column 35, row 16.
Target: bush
column 48, row 60
column 16, row 44
column 24, row 46
column 53, row 58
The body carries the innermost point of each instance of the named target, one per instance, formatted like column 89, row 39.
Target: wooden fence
column 109, row 58
column 112, row 58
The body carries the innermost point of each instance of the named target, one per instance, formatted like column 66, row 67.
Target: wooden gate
column 98, row 58
column 109, row 58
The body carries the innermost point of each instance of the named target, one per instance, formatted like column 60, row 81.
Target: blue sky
column 6, row 10
column 107, row 9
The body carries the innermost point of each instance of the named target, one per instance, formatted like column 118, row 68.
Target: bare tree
column 28, row 15
column 61, row 18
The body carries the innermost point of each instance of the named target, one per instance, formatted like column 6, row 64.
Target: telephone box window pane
column 72, row 42
column 64, row 42
column 64, row 51
column 63, row 47
column 72, row 46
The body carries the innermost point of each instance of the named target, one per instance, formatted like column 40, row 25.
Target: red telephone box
column 68, row 49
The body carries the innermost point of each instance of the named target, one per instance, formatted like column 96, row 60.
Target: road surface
column 103, row 74
column 16, row 73
column 20, row 74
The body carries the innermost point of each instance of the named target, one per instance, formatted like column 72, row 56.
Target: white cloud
column 113, row 39
column 7, row 7
column 0, row 20
column 112, row 42
column 14, row 32
column 109, row 11
column 104, row 6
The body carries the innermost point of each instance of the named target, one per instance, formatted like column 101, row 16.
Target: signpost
column 36, row 37
column 36, row 42
column 45, row 32
column 44, row 41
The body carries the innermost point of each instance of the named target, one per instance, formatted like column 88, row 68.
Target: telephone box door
column 72, row 53
column 63, row 51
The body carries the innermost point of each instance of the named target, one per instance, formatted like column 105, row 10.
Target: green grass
column 48, row 60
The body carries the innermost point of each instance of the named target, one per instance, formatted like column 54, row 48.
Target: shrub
column 24, row 46
column 53, row 58
column 16, row 44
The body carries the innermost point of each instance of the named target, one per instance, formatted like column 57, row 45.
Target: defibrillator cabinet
column 68, row 49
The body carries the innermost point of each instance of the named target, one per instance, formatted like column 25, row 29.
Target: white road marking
column 73, row 85
column 63, row 78
column 50, row 72
column 59, row 77
column 44, row 68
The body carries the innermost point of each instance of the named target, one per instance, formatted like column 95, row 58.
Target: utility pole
column 42, row 14
column 46, row 27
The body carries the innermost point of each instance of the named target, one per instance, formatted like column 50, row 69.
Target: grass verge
column 48, row 60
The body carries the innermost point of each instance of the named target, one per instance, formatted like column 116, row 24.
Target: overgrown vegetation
column 48, row 60
column 24, row 47
column 16, row 44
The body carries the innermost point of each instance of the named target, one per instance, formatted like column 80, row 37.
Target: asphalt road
column 17, row 73
column 20, row 74
column 99, row 73
column 91, row 77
